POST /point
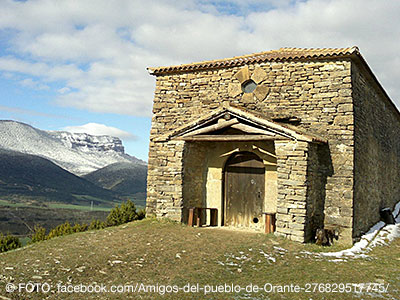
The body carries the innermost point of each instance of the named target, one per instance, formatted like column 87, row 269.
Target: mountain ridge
column 31, row 177
column 127, row 179
column 78, row 153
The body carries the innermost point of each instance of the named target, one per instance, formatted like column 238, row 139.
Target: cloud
column 29, row 112
column 63, row 90
column 100, row 129
column 29, row 82
column 97, row 51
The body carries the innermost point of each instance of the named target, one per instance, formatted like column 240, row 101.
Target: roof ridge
column 284, row 53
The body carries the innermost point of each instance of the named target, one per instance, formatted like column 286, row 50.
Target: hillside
column 127, row 179
column 152, row 252
column 25, row 177
column 78, row 153
column 20, row 221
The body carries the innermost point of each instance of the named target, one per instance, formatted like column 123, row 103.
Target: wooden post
column 213, row 217
column 191, row 217
column 199, row 213
column 269, row 223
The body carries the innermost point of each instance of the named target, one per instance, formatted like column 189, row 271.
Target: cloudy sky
column 80, row 65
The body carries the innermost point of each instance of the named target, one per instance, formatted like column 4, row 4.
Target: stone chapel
column 308, row 136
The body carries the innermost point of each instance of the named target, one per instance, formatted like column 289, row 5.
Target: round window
column 249, row 86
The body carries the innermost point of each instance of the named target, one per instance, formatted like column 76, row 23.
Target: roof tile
column 273, row 55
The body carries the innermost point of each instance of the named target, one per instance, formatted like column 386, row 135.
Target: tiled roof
column 273, row 55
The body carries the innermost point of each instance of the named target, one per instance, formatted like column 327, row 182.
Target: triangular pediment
column 233, row 124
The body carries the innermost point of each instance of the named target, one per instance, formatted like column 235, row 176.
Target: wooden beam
column 264, row 151
column 212, row 128
column 250, row 129
column 230, row 138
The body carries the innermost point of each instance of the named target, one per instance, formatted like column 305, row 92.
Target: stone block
column 344, row 120
column 248, row 98
column 234, row 89
column 282, row 210
column 297, row 238
column 298, row 211
column 258, row 75
column 284, row 230
column 243, row 75
column 261, row 92
column 296, row 227
column 292, row 182
column 345, row 108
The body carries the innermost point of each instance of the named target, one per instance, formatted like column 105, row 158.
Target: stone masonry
column 329, row 93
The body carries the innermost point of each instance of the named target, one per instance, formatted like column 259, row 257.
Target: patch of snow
column 306, row 252
column 242, row 257
column 268, row 256
column 396, row 212
column 379, row 234
column 280, row 249
column 337, row 260
column 117, row 262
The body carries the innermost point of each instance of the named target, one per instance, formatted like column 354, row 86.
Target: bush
column 141, row 214
column 9, row 242
column 124, row 214
column 96, row 224
column 117, row 216
column 79, row 227
column 39, row 234
column 62, row 229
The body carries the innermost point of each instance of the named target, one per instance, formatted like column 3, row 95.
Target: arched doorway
column 244, row 190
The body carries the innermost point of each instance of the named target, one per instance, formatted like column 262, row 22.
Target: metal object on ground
column 387, row 216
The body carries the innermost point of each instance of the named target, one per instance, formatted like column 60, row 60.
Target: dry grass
column 165, row 253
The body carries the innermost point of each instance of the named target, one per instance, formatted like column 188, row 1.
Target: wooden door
column 244, row 190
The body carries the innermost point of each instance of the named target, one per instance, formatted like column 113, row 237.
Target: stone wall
column 300, row 205
column 291, row 216
column 165, row 170
column 377, row 151
column 317, row 92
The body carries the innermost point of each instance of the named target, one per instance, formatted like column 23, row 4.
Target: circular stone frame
column 249, row 86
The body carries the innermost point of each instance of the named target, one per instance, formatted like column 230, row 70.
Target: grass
column 12, row 204
column 45, row 205
column 105, row 206
column 155, row 252
column 79, row 207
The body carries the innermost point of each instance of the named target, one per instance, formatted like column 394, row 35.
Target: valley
column 20, row 220
column 50, row 177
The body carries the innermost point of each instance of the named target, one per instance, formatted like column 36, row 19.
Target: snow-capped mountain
column 89, row 143
column 79, row 153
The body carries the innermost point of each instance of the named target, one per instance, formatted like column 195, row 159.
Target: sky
column 80, row 65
